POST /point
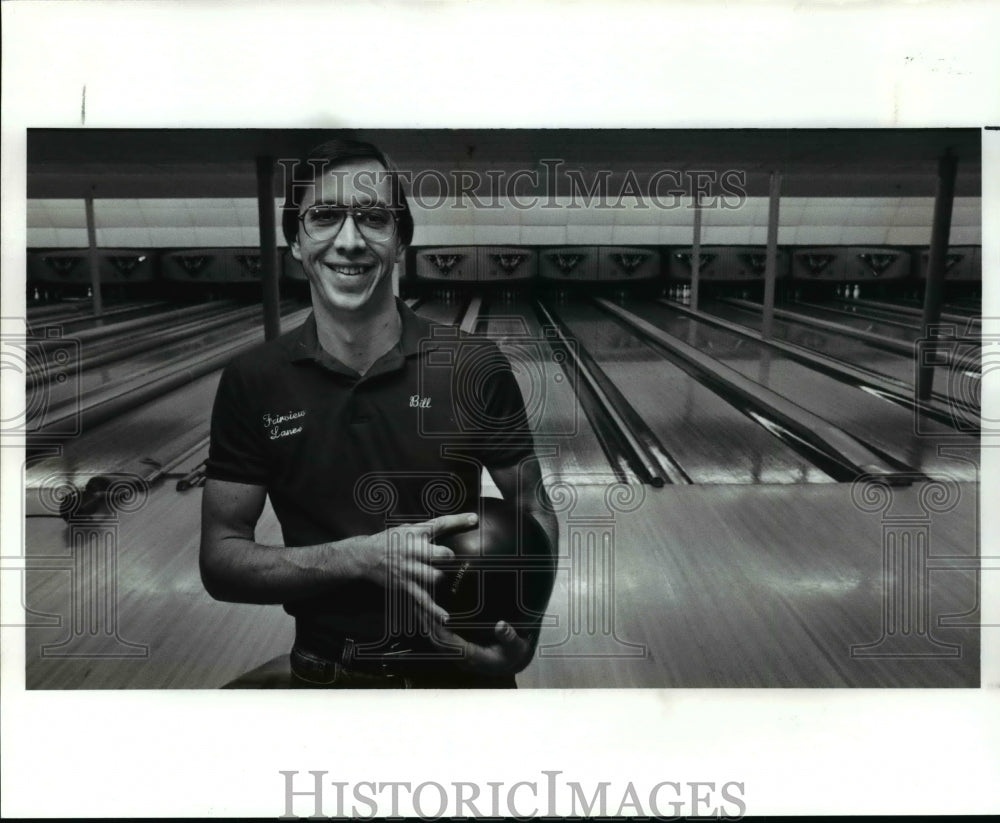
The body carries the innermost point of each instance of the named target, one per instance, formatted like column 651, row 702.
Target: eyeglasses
column 324, row 222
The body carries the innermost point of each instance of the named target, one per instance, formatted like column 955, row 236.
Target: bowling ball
column 503, row 570
column 92, row 500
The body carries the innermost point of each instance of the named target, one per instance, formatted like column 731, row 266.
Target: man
column 369, row 438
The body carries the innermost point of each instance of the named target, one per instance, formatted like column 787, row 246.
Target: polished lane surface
column 564, row 436
column 710, row 440
column 136, row 441
column 134, row 369
column 960, row 382
column 690, row 587
column 873, row 420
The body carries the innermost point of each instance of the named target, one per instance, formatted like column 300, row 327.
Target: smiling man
column 361, row 477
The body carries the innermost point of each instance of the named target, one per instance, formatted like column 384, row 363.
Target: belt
column 390, row 659
column 318, row 671
column 396, row 667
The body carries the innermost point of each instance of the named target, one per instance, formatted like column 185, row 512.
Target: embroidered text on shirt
column 272, row 422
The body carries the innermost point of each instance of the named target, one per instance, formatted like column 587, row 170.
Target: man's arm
column 522, row 483
column 236, row 568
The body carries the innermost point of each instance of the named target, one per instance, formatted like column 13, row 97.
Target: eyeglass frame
column 352, row 212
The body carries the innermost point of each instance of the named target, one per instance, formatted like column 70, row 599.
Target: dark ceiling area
column 70, row 163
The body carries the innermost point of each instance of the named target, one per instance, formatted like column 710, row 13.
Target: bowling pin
column 36, row 293
column 90, row 292
column 857, row 291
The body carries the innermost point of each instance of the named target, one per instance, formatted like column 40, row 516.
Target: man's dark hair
column 330, row 154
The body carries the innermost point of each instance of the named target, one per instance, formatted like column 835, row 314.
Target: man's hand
column 508, row 654
column 406, row 558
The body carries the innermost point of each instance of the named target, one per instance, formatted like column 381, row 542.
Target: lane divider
column 940, row 408
column 809, row 427
column 655, row 467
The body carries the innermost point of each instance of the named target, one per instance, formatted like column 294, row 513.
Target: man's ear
column 400, row 253
column 293, row 247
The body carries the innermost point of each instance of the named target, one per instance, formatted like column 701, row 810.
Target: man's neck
column 358, row 339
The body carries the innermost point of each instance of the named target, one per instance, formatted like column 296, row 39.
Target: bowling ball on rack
column 503, row 569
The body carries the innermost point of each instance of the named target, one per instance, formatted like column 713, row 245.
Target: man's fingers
column 434, row 612
column 505, row 633
column 451, row 523
column 440, row 554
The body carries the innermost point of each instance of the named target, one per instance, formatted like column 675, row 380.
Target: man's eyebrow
column 355, row 203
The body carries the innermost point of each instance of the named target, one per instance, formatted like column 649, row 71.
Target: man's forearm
column 238, row 570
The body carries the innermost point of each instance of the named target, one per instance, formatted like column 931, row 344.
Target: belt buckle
column 382, row 663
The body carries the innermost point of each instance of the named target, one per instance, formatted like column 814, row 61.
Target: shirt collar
column 416, row 337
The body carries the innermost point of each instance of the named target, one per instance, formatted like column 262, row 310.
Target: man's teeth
column 352, row 271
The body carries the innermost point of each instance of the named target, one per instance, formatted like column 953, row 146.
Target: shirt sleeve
column 237, row 449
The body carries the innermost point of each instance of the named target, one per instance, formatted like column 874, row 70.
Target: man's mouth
column 353, row 270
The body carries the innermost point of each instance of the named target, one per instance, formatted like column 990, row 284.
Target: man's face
column 348, row 269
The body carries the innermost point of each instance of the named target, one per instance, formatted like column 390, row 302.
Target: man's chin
column 342, row 300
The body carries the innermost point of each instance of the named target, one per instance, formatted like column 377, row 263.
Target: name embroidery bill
column 274, row 422
column 418, row 402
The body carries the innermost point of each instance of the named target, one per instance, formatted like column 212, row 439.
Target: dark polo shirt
column 342, row 455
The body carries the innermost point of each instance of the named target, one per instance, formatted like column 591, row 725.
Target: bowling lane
column 143, row 437
column 156, row 333
column 899, row 312
column 564, row 435
column 720, row 587
column 143, row 364
column 903, row 314
column 862, row 312
column 134, row 442
column 969, row 307
column 712, row 441
column 847, row 315
column 959, row 383
column 49, row 312
column 111, row 315
column 442, row 311
column 762, row 586
column 168, row 632
column 883, row 425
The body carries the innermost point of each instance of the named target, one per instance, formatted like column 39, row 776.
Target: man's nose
column 349, row 238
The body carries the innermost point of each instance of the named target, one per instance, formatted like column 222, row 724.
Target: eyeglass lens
column 323, row 222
